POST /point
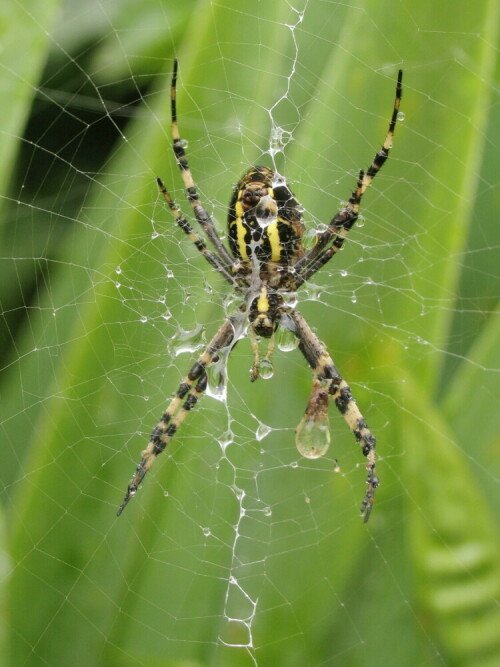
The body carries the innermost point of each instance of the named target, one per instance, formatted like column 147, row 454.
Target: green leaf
column 454, row 540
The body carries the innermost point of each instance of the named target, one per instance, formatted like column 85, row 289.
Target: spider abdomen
column 264, row 220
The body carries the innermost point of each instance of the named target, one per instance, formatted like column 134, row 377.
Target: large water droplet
column 216, row 387
column 287, row 340
column 312, row 437
column 266, row 369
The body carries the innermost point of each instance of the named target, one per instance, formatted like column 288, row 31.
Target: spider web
column 237, row 551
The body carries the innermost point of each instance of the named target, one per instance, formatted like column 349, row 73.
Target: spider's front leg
column 330, row 241
column 186, row 397
column 313, row 433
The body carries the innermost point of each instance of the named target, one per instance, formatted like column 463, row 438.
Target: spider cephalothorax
column 266, row 261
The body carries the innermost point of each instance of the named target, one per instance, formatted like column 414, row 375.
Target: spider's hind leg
column 313, row 432
column 185, row 399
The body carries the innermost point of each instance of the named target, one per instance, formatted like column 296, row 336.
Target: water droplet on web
column 312, row 437
column 118, row 269
column 207, row 532
column 230, row 300
column 189, row 334
column 309, row 238
column 287, row 340
column 344, row 273
column 268, row 511
column 354, row 298
column 290, row 299
column 216, row 387
column 239, row 493
column 184, row 143
column 401, row 116
column 154, row 235
column 360, row 222
column 262, row 431
column 226, row 439
column 266, row 369
column 313, row 292
column 264, row 221
column 144, row 319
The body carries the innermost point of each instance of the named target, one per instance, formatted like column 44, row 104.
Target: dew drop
column 226, row 439
column 207, row 532
column 239, row 493
column 309, row 238
column 266, row 211
column 144, row 319
column 312, row 437
column 266, row 369
column 262, row 431
column 216, row 387
column 290, row 299
column 268, row 511
column 401, row 116
column 287, row 340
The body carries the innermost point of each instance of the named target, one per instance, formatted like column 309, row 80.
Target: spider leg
column 186, row 397
column 211, row 257
column 199, row 211
column 342, row 223
column 312, row 435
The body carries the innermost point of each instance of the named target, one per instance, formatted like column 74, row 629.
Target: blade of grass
column 454, row 540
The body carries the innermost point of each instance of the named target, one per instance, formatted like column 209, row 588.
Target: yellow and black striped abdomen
column 264, row 220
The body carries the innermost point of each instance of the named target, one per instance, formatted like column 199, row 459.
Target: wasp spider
column 267, row 261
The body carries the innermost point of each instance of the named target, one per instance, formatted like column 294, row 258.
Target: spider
column 267, row 261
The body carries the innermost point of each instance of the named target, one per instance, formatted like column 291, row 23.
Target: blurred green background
column 236, row 551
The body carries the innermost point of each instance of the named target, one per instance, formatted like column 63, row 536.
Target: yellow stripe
column 274, row 241
column 240, row 230
column 263, row 302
